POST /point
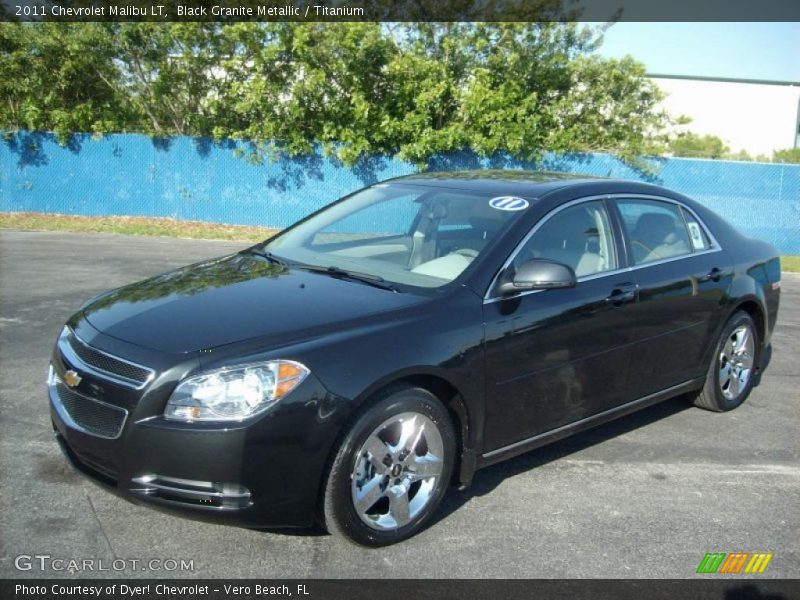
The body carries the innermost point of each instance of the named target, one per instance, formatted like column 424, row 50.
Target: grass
column 174, row 228
column 134, row 226
column 790, row 263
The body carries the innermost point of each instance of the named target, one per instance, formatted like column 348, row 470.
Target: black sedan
column 350, row 369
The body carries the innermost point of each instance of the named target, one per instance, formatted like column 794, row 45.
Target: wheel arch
column 452, row 397
column 752, row 307
column 745, row 294
column 460, row 415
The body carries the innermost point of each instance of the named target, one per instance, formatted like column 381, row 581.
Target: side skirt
column 542, row 439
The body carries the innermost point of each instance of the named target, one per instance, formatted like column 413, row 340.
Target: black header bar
column 702, row 587
column 399, row 10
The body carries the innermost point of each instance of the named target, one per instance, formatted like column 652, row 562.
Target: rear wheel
column 391, row 470
column 730, row 376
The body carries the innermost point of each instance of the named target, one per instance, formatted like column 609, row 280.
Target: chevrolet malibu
column 352, row 368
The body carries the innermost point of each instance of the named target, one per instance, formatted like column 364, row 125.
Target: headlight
column 234, row 393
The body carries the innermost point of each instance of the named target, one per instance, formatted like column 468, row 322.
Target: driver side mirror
column 538, row 274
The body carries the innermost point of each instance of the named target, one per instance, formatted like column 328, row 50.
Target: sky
column 738, row 50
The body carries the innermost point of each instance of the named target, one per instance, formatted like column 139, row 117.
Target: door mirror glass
column 538, row 274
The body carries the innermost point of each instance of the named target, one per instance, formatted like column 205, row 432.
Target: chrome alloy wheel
column 396, row 471
column 736, row 362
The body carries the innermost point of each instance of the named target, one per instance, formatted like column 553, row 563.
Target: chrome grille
column 122, row 371
column 107, row 363
column 87, row 414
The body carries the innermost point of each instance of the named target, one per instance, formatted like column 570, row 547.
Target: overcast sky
column 741, row 50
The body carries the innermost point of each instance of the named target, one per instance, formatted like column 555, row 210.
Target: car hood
column 233, row 299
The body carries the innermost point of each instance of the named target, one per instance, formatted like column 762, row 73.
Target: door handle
column 622, row 294
column 714, row 275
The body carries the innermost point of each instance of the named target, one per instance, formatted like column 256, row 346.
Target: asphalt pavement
column 646, row 496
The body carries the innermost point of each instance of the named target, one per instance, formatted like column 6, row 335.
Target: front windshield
column 401, row 233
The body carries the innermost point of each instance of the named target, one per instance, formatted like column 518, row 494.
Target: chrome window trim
column 64, row 347
column 715, row 247
column 52, row 381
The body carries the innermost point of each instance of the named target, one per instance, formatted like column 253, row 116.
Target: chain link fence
column 196, row 179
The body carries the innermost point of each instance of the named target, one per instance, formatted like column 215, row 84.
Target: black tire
column 338, row 513
column 711, row 397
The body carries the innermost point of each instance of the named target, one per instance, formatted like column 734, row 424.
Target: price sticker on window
column 698, row 240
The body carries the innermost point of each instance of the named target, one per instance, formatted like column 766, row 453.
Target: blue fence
column 188, row 178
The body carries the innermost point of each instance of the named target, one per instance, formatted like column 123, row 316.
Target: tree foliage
column 789, row 155
column 52, row 79
column 413, row 89
column 693, row 145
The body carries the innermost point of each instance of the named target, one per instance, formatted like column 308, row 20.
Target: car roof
column 531, row 184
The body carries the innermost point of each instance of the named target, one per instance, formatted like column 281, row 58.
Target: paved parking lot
column 646, row 496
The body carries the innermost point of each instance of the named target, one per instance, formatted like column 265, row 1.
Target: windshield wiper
column 373, row 280
column 267, row 255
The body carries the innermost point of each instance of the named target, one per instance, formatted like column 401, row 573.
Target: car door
column 557, row 356
column 682, row 276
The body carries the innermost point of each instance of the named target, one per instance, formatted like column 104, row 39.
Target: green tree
column 291, row 86
column 52, row 78
column 425, row 88
column 698, row 146
column 412, row 89
column 106, row 77
column 742, row 155
column 171, row 72
column 789, row 155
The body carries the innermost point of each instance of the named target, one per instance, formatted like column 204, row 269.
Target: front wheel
column 730, row 376
column 391, row 470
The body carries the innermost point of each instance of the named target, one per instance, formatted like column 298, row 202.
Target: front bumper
column 261, row 473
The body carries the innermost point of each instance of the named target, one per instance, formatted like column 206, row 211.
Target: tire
column 729, row 382
column 376, row 493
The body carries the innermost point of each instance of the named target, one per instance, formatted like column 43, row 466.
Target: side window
column 579, row 236
column 656, row 230
column 697, row 234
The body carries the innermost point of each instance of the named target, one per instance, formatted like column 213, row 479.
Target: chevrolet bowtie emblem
column 71, row 378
